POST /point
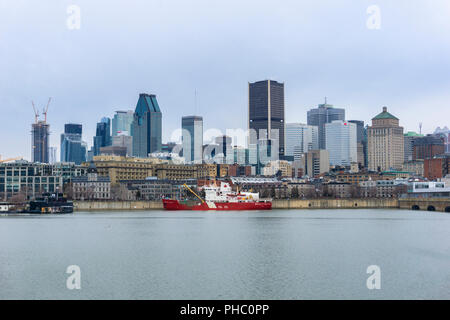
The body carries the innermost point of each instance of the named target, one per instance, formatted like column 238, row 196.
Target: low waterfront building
column 339, row 190
column 157, row 189
column 184, row 172
column 32, row 179
column 257, row 183
column 437, row 167
column 414, row 167
column 123, row 168
column 281, row 167
column 355, row 178
column 428, row 189
column 382, row 188
column 91, row 186
column 301, row 190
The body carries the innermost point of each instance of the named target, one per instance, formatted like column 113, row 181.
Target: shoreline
column 441, row 205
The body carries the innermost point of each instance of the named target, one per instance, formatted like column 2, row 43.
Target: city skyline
column 45, row 58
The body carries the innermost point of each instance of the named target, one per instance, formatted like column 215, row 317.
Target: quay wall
column 276, row 204
column 335, row 203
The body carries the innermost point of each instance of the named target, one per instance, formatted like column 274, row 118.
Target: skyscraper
column 324, row 113
column 361, row 142
column 385, row 142
column 317, row 162
column 102, row 135
column 223, row 149
column 121, row 123
column 408, row 142
column 266, row 112
column 73, row 149
column 427, row 147
column 341, row 142
column 146, row 128
column 192, row 127
column 300, row 138
column 40, row 132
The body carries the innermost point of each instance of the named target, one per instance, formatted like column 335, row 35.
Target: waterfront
column 280, row 254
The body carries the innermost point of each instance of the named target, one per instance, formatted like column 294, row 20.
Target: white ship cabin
column 225, row 193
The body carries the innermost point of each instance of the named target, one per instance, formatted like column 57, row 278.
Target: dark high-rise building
column 192, row 127
column 408, row 141
column 146, row 128
column 427, row 147
column 266, row 112
column 40, row 132
column 102, row 135
column 73, row 149
column 361, row 142
column 324, row 113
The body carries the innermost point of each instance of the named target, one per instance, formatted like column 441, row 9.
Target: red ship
column 220, row 198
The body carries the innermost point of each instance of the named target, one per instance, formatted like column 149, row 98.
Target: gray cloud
column 172, row 48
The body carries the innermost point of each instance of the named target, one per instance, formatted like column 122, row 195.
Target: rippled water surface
column 296, row 254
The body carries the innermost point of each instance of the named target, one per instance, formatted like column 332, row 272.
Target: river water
column 279, row 254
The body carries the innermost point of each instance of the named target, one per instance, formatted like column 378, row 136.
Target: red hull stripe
column 219, row 206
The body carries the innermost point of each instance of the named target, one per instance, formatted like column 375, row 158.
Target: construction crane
column 44, row 112
column 36, row 113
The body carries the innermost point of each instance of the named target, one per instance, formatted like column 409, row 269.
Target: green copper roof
column 413, row 134
column 385, row 115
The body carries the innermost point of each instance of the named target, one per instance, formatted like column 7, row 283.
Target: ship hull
column 176, row 205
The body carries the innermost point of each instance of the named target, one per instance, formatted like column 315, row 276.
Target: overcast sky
column 174, row 48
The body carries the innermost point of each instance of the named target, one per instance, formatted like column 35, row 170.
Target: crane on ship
column 192, row 191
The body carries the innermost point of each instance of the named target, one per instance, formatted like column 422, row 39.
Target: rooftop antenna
column 420, row 127
column 36, row 113
column 325, row 100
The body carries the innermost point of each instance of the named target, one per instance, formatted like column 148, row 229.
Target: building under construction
column 40, row 132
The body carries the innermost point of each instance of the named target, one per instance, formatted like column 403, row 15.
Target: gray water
column 296, row 254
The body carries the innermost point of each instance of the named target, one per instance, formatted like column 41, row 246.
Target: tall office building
column 444, row 133
column 324, row 113
column 121, row 122
column 73, row 149
column 52, row 155
column 361, row 142
column 223, row 149
column 266, row 112
column 341, row 139
column 317, row 162
column 146, row 128
column 408, row 142
column 102, row 135
column 427, row 147
column 301, row 138
column 385, row 143
column 192, row 135
column 40, row 133
column 124, row 141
